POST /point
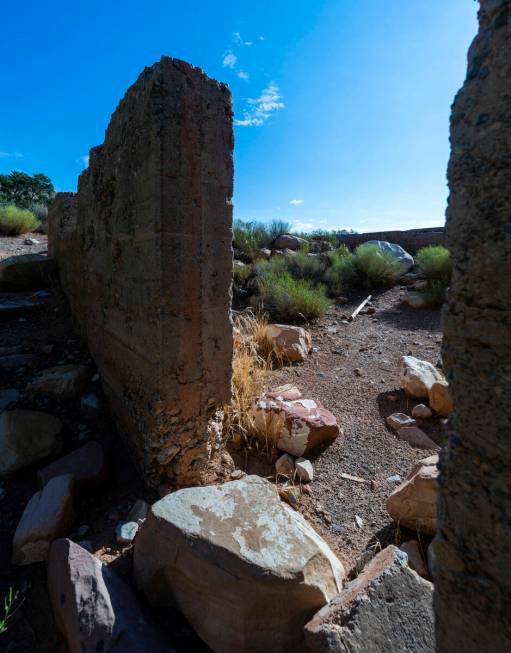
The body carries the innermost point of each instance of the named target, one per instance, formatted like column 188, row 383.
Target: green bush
column 304, row 266
column 376, row 268
column 15, row 221
column 292, row 299
column 435, row 262
column 342, row 272
column 250, row 237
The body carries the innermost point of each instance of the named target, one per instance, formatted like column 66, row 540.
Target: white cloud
column 296, row 202
column 261, row 108
column 302, row 226
column 261, row 38
column 229, row 60
column 83, row 161
column 11, row 155
column 236, row 38
column 248, row 43
column 243, row 75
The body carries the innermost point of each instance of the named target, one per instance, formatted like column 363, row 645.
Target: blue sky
column 342, row 106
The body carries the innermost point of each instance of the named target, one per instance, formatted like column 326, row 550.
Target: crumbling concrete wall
column 473, row 547
column 146, row 262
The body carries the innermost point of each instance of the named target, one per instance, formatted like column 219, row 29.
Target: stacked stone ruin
column 473, row 547
column 144, row 251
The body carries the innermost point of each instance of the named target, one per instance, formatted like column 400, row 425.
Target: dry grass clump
column 251, row 364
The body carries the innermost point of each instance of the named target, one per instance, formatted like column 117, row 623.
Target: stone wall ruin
column 473, row 543
column 144, row 251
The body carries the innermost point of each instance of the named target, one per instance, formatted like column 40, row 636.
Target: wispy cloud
column 261, row 108
column 296, row 202
column 83, row 161
column 11, row 155
column 243, row 75
column 236, row 38
column 302, row 226
column 229, row 60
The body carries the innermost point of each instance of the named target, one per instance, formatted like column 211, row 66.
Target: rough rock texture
column 145, row 257
column 48, row 515
column 298, row 426
column 290, row 343
column 398, row 421
column 26, row 437
column 288, row 241
column 86, row 465
column 421, row 380
column 94, row 608
column 413, row 504
column 388, row 607
column 61, row 382
column 246, row 570
column 473, row 546
column 416, row 562
column 28, row 271
column 417, row 438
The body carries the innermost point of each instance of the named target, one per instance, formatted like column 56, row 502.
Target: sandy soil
column 16, row 245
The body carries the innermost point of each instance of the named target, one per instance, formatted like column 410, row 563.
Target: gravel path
column 16, row 245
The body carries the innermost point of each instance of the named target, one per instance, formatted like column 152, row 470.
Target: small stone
column 125, row 532
column 304, row 470
column 285, row 466
column 357, row 371
column 337, row 528
column 421, row 411
column 399, row 420
column 30, row 241
column 290, row 494
column 359, row 521
column 95, row 378
column 237, row 474
column 394, row 479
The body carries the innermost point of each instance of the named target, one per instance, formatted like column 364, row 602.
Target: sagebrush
column 15, row 221
column 377, row 269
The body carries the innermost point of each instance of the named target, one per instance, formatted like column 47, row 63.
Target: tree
column 23, row 190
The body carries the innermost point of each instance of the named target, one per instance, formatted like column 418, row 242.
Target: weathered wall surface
column 146, row 262
column 473, row 547
column 411, row 239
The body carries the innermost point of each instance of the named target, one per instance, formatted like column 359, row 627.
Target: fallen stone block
column 388, row 607
column 47, row 516
column 299, row 426
column 422, row 380
column 417, row 438
column 27, row 437
column 61, row 382
column 413, row 504
column 399, row 420
column 290, row 343
column 94, row 608
column 259, row 568
column 27, row 271
column 86, row 465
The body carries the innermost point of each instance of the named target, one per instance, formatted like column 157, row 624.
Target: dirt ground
column 17, row 245
column 352, row 371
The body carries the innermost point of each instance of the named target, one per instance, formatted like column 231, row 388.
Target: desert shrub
column 15, row 221
column 376, row 268
column 342, row 271
column 292, row 299
column 435, row 262
column 250, row 237
column 241, row 274
column 40, row 211
column 274, row 229
column 304, row 266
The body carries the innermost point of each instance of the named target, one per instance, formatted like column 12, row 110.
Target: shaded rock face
column 86, row 465
column 388, row 607
column 26, row 272
column 145, row 257
column 61, row 382
column 473, row 586
column 94, row 608
column 245, row 569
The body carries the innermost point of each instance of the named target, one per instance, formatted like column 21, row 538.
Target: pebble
column 359, row 521
column 125, row 532
column 394, row 479
column 337, row 528
column 304, row 470
column 95, row 378
column 357, row 371
column 421, row 411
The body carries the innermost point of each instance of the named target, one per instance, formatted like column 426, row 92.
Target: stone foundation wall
column 411, row 240
column 473, row 546
column 145, row 257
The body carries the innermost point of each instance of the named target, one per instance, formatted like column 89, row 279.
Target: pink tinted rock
column 417, row 438
column 290, row 343
column 86, row 465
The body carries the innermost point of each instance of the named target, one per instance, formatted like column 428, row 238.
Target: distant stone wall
column 473, row 544
column 145, row 258
column 411, row 240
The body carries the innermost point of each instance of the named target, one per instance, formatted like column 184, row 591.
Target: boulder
column 138, row 512
column 388, row 607
column 290, row 343
column 288, row 241
column 94, row 608
column 413, row 504
column 26, row 272
column 26, row 437
column 264, row 253
column 415, row 559
column 298, row 426
column 399, row 420
column 47, row 516
column 61, row 382
column 422, row 380
column 421, row 411
column 396, row 251
column 417, row 438
column 244, row 568
column 304, row 470
column 86, row 465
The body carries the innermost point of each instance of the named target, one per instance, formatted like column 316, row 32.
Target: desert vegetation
column 436, row 265
column 15, row 221
column 24, row 201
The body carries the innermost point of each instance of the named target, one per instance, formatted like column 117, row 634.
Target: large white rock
column 422, row 380
column 414, row 503
column 297, row 426
column 47, row 516
column 290, row 343
column 396, row 251
column 245, row 569
column 26, row 437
